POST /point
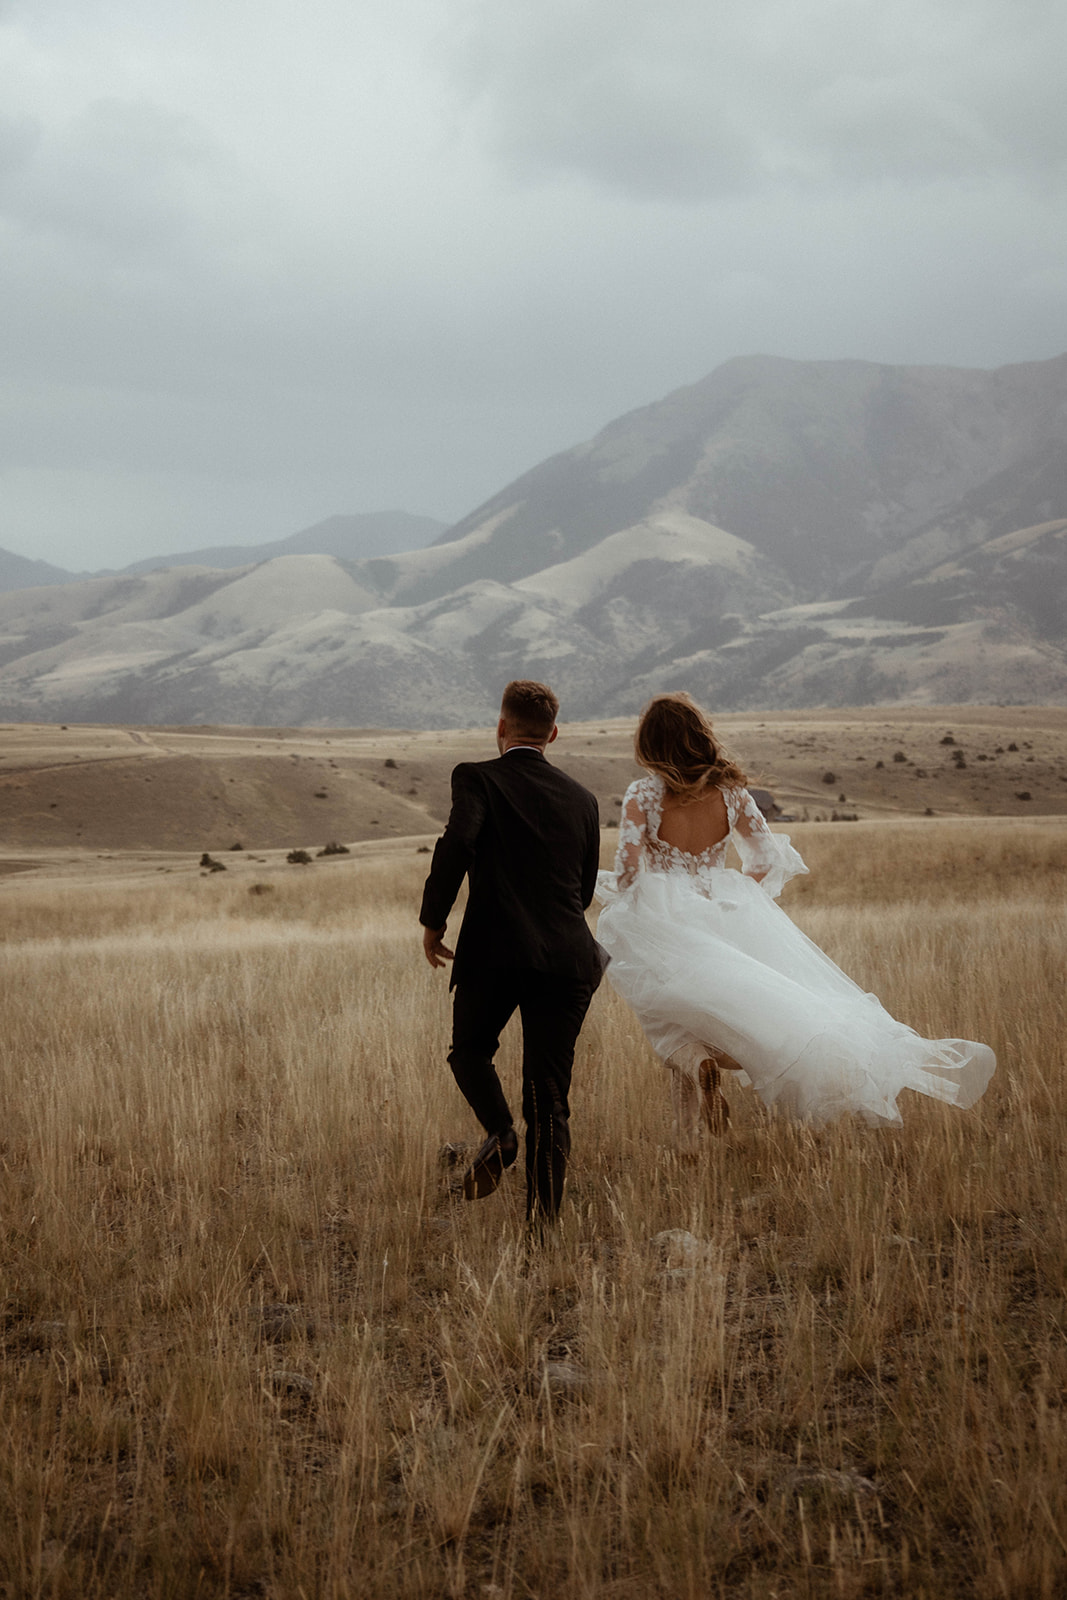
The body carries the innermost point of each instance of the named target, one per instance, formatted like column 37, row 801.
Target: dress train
column 713, row 961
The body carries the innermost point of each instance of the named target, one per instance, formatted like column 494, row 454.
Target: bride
column 719, row 976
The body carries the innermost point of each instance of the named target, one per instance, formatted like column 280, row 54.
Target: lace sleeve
column 633, row 825
column 767, row 857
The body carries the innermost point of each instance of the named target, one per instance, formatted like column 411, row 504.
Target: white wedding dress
column 706, row 958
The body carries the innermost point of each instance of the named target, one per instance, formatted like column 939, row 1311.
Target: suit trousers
column 552, row 1010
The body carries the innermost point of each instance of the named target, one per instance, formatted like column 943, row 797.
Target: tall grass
column 253, row 1345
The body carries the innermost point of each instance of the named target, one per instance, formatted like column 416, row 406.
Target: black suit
column 528, row 838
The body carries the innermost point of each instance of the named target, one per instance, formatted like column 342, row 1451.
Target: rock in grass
column 279, row 1323
column 677, row 1249
column 41, row 1335
column 826, row 1481
column 563, row 1377
column 292, row 1384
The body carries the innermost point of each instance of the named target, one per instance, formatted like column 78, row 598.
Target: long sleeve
column 767, row 857
column 633, row 826
column 454, row 850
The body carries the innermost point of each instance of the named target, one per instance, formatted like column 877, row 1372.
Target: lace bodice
column 765, row 856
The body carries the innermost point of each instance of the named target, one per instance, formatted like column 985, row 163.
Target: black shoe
column 490, row 1163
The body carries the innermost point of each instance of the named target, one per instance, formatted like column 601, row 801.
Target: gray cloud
column 18, row 139
column 252, row 273
column 127, row 176
column 690, row 100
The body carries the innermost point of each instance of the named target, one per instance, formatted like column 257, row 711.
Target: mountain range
column 371, row 533
column 780, row 534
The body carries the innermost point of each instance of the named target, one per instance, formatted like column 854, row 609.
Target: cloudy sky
column 262, row 261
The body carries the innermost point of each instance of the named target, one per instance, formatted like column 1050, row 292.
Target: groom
column 528, row 838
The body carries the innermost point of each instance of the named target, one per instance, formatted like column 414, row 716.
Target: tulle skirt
column 716, row 962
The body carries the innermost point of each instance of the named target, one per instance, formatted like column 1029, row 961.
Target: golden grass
column 252, row 1346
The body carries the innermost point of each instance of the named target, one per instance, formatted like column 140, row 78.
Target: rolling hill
column 353, row 538
column 781, row 534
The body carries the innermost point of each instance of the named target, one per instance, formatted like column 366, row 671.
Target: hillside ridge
column 779, row 534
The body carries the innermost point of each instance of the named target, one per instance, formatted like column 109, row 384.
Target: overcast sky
column 262, row 261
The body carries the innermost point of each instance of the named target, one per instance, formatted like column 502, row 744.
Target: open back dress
column 709, row 961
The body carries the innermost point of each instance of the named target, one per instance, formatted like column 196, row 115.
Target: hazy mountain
column 823, row 466
column 1029, row 492
column 989, row 625
column 299, row 639
column 19, row 572
column 353, row 538
column 883, row 534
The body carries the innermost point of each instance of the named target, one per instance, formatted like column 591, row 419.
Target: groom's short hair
column 529, row 708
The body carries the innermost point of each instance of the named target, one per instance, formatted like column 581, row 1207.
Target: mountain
column 987, row 626
column 823, row 466
column 781, row 534
column 353, row 538
column 19, row 572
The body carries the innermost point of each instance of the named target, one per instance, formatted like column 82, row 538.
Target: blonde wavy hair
column 675, row 739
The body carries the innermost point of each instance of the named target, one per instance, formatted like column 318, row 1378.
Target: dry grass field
column 192, row 789
column 253, row 1345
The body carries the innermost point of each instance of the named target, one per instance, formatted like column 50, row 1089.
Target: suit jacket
column 528, row 837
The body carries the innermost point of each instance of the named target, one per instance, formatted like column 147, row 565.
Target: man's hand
column 435, row 952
